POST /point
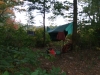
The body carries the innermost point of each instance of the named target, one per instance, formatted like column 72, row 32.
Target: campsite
column 28, row 57
column 33, row 43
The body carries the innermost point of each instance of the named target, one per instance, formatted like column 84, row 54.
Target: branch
column 89, row 16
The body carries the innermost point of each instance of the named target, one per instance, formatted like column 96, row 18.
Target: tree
column 74, row 37
column 92, row 11
column 6, row 12
column 46, row 6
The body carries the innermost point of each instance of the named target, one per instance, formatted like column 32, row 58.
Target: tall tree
column 44, row 22
column 92, row 11
column 6, row 10
column 74, row 37
column 46, row 6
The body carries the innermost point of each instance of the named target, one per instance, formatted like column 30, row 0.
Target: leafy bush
column 19, row 38
column 12, row 57
column 39, row 71
column 15, row 38
column 39, row 38
column 15, row 52
column 88, row 37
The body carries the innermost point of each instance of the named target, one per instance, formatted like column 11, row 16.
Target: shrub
column 12, row 57
column 39, row 38
column 39, row 71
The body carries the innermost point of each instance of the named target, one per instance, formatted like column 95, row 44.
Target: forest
column 24, row 48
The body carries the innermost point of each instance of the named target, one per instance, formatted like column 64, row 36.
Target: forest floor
column 79, row 62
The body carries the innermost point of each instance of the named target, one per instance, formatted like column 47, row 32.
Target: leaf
column 35, row 73
column 5, row 73
column 21, row 74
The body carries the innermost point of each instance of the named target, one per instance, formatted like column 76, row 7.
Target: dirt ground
column 79, row 62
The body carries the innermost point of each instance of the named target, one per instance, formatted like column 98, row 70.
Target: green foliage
column 6, row 73
column 92, row 10
column 12, row 57
column 97, row 35
column 39, row 71
column 54, row 71
column 15, row 51
column 88, row 37
column 39, row 37
column 5, row 11
column 15, row 38
column 49, row 57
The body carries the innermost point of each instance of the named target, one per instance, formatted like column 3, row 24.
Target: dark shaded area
column 53, row 35
column 31, row 33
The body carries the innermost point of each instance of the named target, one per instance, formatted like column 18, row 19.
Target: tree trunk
column 74, row 36
column 44, row 23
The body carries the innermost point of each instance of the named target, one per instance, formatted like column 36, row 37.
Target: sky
column 21, row 17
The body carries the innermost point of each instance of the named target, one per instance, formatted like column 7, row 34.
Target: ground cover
column 78, row 62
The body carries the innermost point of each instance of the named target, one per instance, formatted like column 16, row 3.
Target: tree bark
column 44, row 23
column 74, row 36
